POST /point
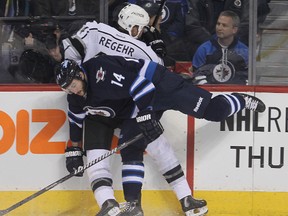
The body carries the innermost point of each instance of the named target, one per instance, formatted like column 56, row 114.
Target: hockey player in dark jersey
column 92, row 39
column 134, row 93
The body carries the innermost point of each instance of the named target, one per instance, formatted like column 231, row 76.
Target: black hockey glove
column 149, row 125
column 151, row 36
column 74, row 159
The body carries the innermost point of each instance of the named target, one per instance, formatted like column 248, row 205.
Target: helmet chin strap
column 138, row 33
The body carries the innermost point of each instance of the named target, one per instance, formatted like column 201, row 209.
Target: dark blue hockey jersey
column 119, row 87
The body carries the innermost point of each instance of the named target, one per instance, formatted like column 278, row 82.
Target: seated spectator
column 172, row 23
column 202, row 17
column 172, row 17
column 222, row 59
column 152, row 9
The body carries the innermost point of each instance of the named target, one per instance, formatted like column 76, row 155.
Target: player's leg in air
column 175, row 93
column 225, row 105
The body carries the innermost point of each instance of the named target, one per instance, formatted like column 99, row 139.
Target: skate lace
column 127, row 208
column 251, row 104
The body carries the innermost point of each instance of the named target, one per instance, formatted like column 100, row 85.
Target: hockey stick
column 80, row 169
column 159, row 12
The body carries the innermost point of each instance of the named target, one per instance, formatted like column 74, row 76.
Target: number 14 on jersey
column 118, row 78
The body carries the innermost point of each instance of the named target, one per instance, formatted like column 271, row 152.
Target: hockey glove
column 151, row 36
column 149, row 125
column 74, row 159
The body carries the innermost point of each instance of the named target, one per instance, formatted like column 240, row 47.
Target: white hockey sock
column 181, row 188
column 102, row 194
column 163, row 155
column 100, row 176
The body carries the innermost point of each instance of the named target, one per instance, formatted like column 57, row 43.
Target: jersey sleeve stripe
column 148, row 70
column 149, row 88
column 77, row 115
column 76, row 118
column 71, row 121
column 136, row 83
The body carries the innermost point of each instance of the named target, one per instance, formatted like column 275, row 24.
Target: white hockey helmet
column 133, row 15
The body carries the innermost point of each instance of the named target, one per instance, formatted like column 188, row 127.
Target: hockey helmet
column 133, row 15
column 66, row 72
column 36, row 67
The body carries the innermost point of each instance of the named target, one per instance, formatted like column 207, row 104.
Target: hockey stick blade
column 65, row 178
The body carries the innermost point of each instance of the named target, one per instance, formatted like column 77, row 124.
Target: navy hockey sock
column 132, row 179
column 223, row 106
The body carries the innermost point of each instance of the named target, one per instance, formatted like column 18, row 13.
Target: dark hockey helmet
column 66, row 72
column 36, row 67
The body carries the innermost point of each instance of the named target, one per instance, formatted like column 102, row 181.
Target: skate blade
column 197, row 212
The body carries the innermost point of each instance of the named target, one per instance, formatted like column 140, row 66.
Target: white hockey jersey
column 95, row 38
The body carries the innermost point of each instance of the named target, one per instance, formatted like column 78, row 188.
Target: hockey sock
column 100, row 176
column 164, row 156
column 176, row 179
column 223, row 106
column 236, row 102
column 132, row 180
column 103, row 193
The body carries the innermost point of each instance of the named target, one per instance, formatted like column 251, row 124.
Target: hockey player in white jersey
column 96, row 38
column 161, row 150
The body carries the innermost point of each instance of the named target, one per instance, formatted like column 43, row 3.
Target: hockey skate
column 131, row 209
column 193, row 207
column 109, row 208
column 252, row 103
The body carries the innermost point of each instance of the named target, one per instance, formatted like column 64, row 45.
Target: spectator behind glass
column 222, row 59
column 172, row 23
column 172, row 17
column 203, row 14
column 152, row 9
